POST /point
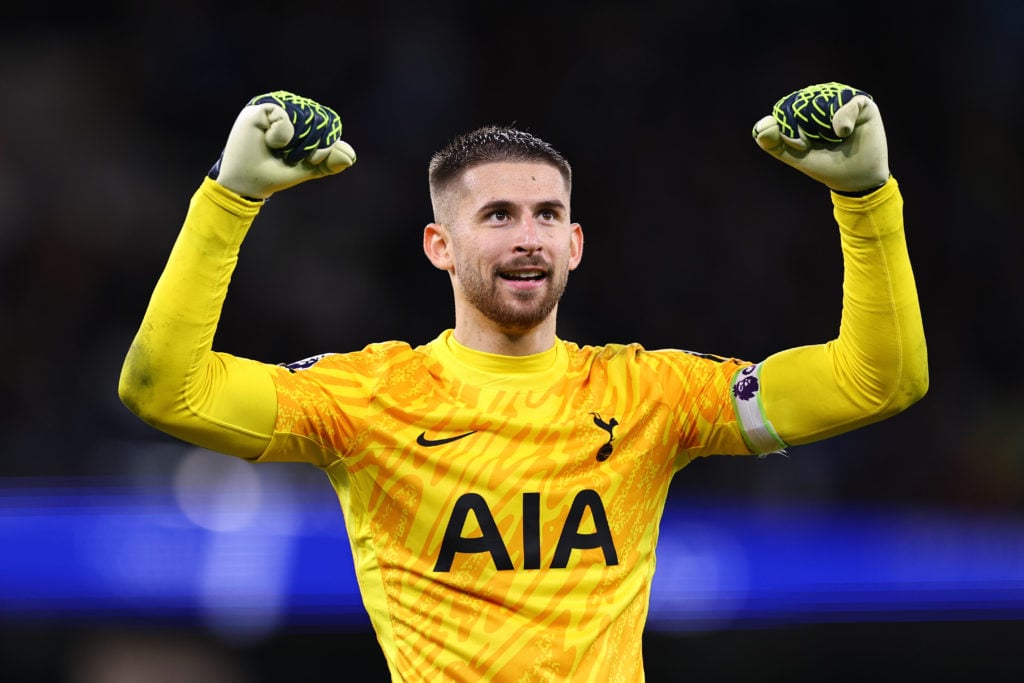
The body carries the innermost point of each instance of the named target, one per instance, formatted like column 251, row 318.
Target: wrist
column 229, row 199
column 214, row 174
column 862, row 193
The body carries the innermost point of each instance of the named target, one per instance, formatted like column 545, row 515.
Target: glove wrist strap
column 862, row 193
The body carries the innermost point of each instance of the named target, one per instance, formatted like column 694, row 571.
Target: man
column 502, row 487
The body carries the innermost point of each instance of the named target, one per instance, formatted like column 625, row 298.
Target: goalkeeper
column 502, row 487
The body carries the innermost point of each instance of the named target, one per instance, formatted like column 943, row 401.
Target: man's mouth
column 526, row 275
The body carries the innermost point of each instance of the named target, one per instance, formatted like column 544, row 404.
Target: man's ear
column 437, row 246
column 575, row 246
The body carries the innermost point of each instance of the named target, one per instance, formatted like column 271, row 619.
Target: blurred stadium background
column 125, row 556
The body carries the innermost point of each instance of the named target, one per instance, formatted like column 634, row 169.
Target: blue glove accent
column 811, row 109
column 316, row 126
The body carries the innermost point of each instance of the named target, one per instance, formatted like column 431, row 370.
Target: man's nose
column 528, row 235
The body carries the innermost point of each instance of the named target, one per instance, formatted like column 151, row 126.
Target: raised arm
column 171, row 377
column 877, row 365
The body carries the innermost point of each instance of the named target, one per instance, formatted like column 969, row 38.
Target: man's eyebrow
column 496, row 204
column 557, row 204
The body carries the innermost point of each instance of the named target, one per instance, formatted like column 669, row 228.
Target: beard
column 510, row 310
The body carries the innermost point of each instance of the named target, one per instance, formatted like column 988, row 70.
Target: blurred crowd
column 695, row 239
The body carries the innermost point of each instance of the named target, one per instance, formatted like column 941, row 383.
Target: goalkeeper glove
column 280, row 140
column 832, row 133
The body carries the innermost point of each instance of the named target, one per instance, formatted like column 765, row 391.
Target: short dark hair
column 487, row 145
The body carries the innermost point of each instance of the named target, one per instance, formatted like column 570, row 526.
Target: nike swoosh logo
column 429, row 443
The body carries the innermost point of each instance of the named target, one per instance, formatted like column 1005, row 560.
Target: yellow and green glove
column 280, row 140
column 832, row 133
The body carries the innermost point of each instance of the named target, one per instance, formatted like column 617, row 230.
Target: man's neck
column 490, row 338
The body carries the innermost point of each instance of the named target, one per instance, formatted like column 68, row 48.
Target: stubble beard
column 511, row 311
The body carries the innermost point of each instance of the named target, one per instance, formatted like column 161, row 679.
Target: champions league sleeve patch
column 305, row 363
column 746, row 399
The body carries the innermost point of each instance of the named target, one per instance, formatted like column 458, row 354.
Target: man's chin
column 520, row 318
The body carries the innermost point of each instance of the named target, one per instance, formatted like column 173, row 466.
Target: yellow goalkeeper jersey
column 503, row 512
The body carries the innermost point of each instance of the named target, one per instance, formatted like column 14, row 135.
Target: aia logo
column 586, row 504
column 605, row 451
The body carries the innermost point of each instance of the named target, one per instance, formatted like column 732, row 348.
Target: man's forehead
column 513, row 179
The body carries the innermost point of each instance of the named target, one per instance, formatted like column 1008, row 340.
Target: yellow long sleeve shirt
column 504, row 512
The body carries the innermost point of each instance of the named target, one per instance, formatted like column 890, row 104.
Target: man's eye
column 500, row 216
column 548, row 215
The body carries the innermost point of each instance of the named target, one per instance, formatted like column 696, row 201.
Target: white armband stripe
column 746, row 399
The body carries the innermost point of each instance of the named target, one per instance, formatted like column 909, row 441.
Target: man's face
column 510, row 243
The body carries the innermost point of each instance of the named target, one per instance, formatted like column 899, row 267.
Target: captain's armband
column 757, row 431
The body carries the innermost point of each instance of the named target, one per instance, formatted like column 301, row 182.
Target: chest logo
column 430, row 443
column 605, row 451
column 487, row 538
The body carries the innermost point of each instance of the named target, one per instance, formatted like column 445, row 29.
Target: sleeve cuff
column 230, row 201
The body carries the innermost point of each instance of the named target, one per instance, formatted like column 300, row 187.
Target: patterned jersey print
column 503, row 513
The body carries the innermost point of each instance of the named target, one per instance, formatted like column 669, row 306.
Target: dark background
column 695, row 239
